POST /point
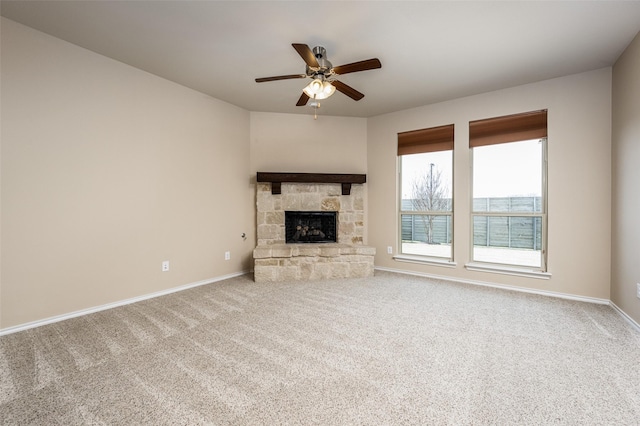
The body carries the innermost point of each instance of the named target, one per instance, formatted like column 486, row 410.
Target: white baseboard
column 81, row 312
column 624, row 315
column 598, row 301
column 501, row 286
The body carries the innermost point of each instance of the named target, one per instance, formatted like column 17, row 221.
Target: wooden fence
column 491, row 231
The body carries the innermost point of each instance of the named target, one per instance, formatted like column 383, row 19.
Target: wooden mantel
column 276, row 179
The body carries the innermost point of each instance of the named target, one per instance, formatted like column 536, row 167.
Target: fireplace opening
column 310, row 227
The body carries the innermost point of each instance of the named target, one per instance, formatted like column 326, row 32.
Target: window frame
column 428, row 140
column 516, row 269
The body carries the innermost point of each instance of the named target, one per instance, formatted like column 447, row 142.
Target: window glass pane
column 427, row 181
column 426, row 184
column 426, row 235
column 508, row 177
column 510, row 240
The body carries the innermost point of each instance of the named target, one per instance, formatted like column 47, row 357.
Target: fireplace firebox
column 310, row 227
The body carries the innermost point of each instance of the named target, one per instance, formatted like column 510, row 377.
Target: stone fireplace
column 323, row 236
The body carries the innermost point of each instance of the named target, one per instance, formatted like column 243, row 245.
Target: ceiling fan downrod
column 321, row 56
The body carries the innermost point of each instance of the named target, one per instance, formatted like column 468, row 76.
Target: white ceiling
column 430, row 51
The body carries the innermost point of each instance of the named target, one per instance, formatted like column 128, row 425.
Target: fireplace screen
column 310, row 227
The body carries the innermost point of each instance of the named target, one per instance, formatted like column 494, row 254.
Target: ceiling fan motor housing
column 321, row 56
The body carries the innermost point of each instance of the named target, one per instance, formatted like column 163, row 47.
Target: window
column 509, row 190
column 426, row 181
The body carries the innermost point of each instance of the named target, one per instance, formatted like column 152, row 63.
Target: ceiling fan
column 322, row 74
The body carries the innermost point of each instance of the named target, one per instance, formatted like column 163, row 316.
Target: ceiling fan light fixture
column 314, row 88
column 319, row 89
column 328, row 89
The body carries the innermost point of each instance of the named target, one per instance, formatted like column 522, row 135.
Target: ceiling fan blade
column 303, row 99
column 306, row 54
column 369, row 64
column 347, row 90
column 280, row 77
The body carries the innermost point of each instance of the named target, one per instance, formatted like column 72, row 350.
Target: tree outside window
column 430, row 195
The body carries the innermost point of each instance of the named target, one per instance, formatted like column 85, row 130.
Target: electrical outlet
column 165, row 266
column 390, row 250
column 638, row 290
column 227, row 255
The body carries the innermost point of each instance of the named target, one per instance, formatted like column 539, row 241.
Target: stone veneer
column 288, row 262
column 276, row 261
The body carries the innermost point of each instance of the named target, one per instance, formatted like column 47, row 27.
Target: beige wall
column 106, row 172
column 579, row 173
column 298, row 143
column 625, row 271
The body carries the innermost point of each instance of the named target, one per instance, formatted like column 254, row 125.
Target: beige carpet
column 387, row 350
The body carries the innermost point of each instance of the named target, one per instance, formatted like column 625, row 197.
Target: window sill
column 425, row 260
column 508, row 270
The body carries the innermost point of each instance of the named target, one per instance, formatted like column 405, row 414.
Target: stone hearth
column 274, row 260
column 285, row 262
